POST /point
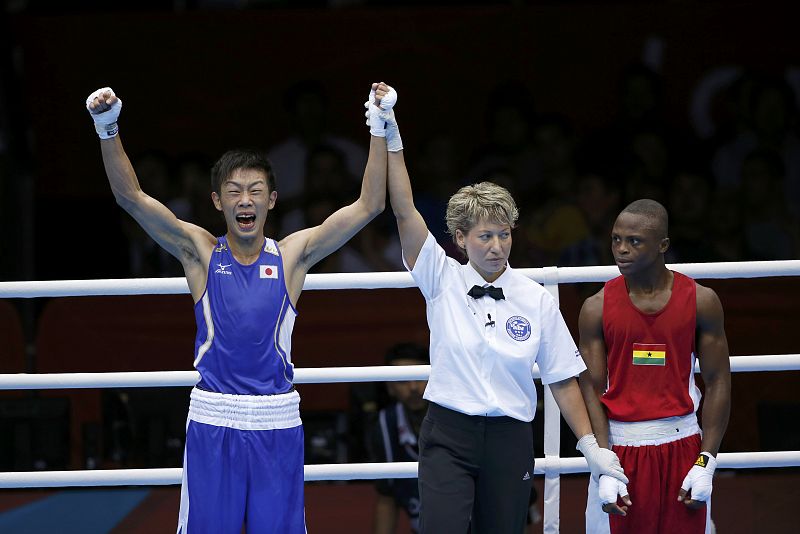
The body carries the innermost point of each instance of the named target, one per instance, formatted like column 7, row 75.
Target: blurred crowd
column 731, row 183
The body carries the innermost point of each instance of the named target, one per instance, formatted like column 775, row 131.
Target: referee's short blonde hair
column 472, row 203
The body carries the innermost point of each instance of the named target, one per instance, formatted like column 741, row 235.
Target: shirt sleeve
column 558, row 356
column 430, row 268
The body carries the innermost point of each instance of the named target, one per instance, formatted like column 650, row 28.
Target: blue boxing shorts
column 243, row 465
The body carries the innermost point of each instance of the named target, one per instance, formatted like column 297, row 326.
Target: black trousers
column 475, row 473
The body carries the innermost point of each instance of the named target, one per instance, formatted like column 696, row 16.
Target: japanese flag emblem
column 268, row 271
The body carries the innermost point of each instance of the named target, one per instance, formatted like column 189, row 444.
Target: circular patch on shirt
column 519, row 328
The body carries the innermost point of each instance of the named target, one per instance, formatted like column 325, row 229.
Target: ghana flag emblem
column 649, row 354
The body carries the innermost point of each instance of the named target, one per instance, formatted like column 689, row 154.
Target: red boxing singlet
column 650, row 355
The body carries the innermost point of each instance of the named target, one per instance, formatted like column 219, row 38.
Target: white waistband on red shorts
column 653, row 432
column 245, row 412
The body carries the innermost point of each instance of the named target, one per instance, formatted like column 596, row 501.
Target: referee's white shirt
column 483, row 350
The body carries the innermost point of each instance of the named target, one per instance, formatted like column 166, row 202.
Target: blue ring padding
column 80, row 511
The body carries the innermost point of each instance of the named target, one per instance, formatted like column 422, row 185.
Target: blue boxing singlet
column 244, row 325
column 243, row 461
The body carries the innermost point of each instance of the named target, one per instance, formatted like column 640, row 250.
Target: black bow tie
column 495, row 292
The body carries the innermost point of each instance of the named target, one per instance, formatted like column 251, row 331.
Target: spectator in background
column 145, row 258
column 379, row 245
column 190, row 204
column 689, row 197
column 307, row 106
column 720, row 108
column 378, row 249
column 328, row 183
column 770, row 231
column 394, row 439
column 554, row 222
column 725, row 226
column 555, row 142
column 326, row 175
column 640, row 107
column 773, row 115
column 191, row 201
column 598, row 199
column 649, row 158
column 509, row 129
column 641, row 98
column 440, row 173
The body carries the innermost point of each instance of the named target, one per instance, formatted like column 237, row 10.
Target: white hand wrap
column 609, row 488
column 394, row 143
column 601, row 461
column 105, row 123
column 388, row 101
column 376, row 123
column 700, row 476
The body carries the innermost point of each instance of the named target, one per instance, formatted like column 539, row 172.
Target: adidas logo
column 527, row 476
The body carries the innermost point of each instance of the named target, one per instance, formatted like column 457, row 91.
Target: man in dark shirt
column 394, row 439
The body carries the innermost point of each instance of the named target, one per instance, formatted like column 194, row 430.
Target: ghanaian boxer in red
column 639, row 337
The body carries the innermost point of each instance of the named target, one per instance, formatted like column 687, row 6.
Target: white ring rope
column 551, row 275
column 359, row 471
column 312, row 375
column 168, row 286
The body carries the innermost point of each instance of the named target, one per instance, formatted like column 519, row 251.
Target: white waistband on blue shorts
column 245, row 412
column 653, row 432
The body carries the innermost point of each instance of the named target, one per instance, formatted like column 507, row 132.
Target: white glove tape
column 105, row 123
column 609, row 488
column 700, row 476
column 601, row 461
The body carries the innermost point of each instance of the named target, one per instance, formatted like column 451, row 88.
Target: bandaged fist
column 376, row 123
column 601, row 461
column 609, row 490
column 386, row 96
column 696, row 487
column 104, row 107
column 383, row 98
